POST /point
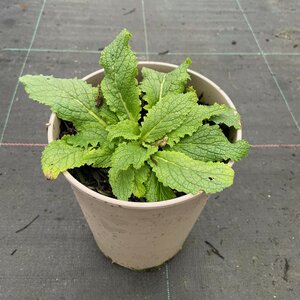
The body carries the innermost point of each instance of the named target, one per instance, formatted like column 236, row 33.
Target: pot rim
column 140, row 205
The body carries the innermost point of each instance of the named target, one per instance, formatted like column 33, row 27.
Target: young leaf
column 156, row 191
column 140, row 177
column 122, row 182
column 209, row 143
column 107, row 114
column 166, row 115
column 58, row 157
column 208, row 111
column 127, row 129
column 156, row 84
column 180, row 172
column 131, row 154
column 89, row 136
column 99, row 158
column 119, row 86
column 229, row 117
column 193, row 120
column 71, row 99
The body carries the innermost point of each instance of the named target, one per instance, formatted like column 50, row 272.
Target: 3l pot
column 142, row 235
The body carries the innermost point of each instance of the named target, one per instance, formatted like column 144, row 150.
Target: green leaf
column 156, row 191
column 191, row 123
column 131, row 154
column 180, row 172
column 127, row 129
column 122, row 182
column 107, row 114
column 89, row 136
column 193, row 120
column 229, row 117
column 208, row 111
column 99, row 158
column 140, row 177
column 209, row 143
column 119, row 86
column 58, row 157
column 156, row 84
column 166, row 115
column 71, row 99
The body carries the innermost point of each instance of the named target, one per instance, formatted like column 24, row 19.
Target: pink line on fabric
column 253, row 146
column 276, row 146
column 22, row 145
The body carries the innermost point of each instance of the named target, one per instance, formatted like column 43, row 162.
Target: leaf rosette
column 153, row 136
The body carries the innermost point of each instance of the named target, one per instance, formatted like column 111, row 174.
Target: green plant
column 153, row 136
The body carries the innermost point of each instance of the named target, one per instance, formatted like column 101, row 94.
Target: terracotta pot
column 142, row 235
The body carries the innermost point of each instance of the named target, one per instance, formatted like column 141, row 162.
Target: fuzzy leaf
column 156, row 84
column 71, row 99
column 107, row 114
column 208, row 111
column 127, row 129
column 194, row 119
column 229, row 117
column 209, row 143
column 166, row 115
column 156, row 191
column 99, row 158
column 191, row 123
column 180, row 172
column 58, row 157
column 131, row 154
column 89, row 136
column 119, row 86
column 122, row 182
column 140, row 177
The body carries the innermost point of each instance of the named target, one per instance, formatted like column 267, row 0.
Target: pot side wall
column 139, row 239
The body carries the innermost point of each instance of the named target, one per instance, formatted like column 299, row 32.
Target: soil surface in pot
column 97, row 178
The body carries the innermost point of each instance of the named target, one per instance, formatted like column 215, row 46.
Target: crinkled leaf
column 131, row 154
column 89, row 136
column 119, row 86
column 107, row 114
column 156, row 191
column 191, row 123
column 140, row 177
column 209, row 143
column 59, row 156
column 229, row 117
column 156, row 84
column 166, row 115
column 180, row 172
column 194, row 119
column 208, row 111
column 71, row 99
column 127, row 129
column 122, row 182
column 99, row 158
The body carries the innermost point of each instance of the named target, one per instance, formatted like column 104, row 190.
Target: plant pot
column 142, row 235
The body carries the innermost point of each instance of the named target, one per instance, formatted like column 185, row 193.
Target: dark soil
column 97, row 180
column 94, row 178
column 66, row 128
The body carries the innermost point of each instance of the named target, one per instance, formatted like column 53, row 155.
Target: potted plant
column 142, row 145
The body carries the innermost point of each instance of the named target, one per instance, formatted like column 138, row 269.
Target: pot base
column 148, row 269
column 140, row 238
